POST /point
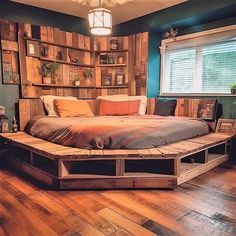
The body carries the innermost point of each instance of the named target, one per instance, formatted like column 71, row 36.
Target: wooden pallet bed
column 73, row 168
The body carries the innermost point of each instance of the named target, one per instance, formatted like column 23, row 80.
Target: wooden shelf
column 58, row 45
column 112, row 87
column 62, row 86
column 112, row 51
column 67, row 63
column 112, row 65
column 78, row 87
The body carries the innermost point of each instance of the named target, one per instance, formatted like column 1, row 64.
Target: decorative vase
column 120, row 60
column 47, row 80
column 77, row 83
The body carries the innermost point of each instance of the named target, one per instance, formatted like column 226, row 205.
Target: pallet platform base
column 73, row 168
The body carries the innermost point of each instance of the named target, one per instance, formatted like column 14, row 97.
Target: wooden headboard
column 28, row 108
column 187, row 107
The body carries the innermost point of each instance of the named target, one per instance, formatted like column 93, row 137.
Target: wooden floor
column 205, row 205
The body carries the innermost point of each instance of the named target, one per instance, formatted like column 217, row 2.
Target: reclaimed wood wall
column 74, row 53
column 9, row 52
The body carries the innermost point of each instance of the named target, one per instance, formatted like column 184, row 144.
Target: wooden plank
column 120, row 167
column 144, row 153
column 125, row 183
column 155, row 152
column 168, row 152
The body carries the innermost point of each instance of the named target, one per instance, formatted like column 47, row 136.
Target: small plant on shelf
column 48, row 72
column 88, row 74
column 77, row 80
column 233, row 88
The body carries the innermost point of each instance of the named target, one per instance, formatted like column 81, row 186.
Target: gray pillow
column 165, row 107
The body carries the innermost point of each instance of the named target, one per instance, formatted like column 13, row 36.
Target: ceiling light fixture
column 100, row 20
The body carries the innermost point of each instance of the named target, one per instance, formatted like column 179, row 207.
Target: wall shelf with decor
column 67, row 63
column 62, row 86
column 58, row 45
column 111, row 51
column 112, row 65
column 112, row 87
column 63, row 55
column 41, row 46
column 76, row 55
column 112, row 59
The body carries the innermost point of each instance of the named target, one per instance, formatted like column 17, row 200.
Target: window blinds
column 206, row 68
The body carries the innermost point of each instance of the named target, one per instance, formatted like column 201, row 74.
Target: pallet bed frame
column 73, row 168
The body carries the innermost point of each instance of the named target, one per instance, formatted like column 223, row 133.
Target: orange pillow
column 118, row 108
column 69, row 108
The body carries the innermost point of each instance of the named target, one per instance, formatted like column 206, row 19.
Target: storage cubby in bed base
column 39, row 166
column 116, row 167
column 202, row 161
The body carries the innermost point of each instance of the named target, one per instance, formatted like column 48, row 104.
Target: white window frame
column 211, row 36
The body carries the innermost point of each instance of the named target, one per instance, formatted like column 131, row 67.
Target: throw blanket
column 114, row 132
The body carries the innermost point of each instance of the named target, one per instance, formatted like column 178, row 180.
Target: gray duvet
column 114, row 132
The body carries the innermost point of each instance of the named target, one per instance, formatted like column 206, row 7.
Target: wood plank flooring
column 205, row 205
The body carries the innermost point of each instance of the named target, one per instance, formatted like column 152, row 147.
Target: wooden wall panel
column 73, row 45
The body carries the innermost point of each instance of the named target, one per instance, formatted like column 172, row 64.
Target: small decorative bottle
column 96, row 45
column 14, row 125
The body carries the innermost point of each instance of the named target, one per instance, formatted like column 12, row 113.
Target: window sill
column 197, row 95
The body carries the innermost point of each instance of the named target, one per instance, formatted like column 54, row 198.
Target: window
column 199, row 66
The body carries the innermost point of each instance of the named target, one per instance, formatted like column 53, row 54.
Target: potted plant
column 233, row 88
column 48, row 72
column 88, row 74
column 77, row 80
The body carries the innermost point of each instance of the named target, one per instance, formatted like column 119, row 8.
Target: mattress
column 116, row 132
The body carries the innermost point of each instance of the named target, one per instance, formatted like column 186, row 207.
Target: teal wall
column 154, row 60
column 189, row 17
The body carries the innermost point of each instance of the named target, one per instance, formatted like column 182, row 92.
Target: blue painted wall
column 189, row 17
column 154, row 60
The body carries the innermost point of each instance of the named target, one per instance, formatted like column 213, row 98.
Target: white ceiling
column 122, row 10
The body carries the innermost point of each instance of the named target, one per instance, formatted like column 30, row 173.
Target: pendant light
column 100, row 20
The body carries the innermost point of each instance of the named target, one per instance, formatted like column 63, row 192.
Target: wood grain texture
column 203, row 206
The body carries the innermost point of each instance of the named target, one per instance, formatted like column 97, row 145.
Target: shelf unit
column 66, row 63
column 78, row 87
column 107, row 61
column 58, row 45
column 111, row 65
column 73, row 60
column 61, row 86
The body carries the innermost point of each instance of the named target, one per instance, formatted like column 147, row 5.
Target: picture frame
column 119, row 79
column 114, row 44
column 207, row 109
column 106, row 79
column 103, row 58
column 32, row 48
column 227, row 126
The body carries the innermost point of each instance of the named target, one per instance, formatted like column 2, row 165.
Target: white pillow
column 124, row 97
column 48, row 101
